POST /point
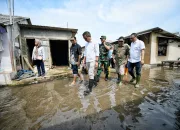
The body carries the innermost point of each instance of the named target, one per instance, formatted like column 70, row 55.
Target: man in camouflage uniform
column 104, row 48
column 120, row 56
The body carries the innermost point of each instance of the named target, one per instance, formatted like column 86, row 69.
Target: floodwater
column 57, row 106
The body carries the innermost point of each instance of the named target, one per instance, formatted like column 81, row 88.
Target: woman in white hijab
column 38, row 56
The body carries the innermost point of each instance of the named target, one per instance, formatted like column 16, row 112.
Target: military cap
column 120, row 38
column 103, row 37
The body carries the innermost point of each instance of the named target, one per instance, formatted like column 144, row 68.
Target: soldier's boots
column 91, row 82
column 95, row 81
column 97, row 78
column 137, row 81
column 118, row 79
column 106, row 77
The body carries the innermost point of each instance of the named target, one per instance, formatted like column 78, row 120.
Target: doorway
column 59, row 52
column 30, row 46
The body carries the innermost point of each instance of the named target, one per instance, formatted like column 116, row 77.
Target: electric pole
column 11, row 19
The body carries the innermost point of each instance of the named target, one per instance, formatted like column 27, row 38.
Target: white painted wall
column 6, row 65
column 173, row 51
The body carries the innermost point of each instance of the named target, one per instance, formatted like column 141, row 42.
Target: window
column 162, row 46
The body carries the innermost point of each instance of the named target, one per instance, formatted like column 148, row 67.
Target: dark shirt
column 75, row 51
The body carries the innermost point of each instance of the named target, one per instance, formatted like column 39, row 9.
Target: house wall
column 46, row 35
column 146, row 40
column 16, row 34
column 174, row 51
column 5, row 57
column 171, row 54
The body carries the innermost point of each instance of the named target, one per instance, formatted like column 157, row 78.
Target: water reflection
column 56, row 105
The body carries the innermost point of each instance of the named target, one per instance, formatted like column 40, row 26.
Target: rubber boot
column 137, row 81
column 126, row 71
column 132, row 80
column 118, row 79
column 97, row 78
column 106, row 77
column 95, row 81
column 109, row 70
column 121, row 79
column 91, row 82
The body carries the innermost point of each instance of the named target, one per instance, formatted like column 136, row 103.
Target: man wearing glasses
column 136, row 59
column 120, row 56
column 91, row 56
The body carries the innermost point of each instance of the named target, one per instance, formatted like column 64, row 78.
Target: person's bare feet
column 73, row 83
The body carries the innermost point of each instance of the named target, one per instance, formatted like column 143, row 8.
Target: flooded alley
column 57, row 106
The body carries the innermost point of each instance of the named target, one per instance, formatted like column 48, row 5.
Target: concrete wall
column 6, row 55
column 172, row 50
column 46, row 35
column 6, row 65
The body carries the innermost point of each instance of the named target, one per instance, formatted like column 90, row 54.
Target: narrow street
column 57, row 106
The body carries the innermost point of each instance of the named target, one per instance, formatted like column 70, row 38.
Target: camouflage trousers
column 105, row 64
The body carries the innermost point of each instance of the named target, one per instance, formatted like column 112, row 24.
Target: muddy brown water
column 57, row 106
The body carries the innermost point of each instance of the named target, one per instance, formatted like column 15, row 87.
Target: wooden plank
column 23, row 50
column 27, row 62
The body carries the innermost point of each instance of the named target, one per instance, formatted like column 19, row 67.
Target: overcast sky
column 112, row 18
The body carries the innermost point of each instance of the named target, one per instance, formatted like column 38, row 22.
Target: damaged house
column 161, row 45
column 55, row 41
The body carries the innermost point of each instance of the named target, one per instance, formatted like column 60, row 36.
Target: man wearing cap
column 104, row 48
column 75, row 56
column 136, row 59
column 91, row 56
column 120, row 55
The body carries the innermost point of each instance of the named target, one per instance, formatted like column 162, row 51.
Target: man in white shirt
column 91, row 56
column 136, row 58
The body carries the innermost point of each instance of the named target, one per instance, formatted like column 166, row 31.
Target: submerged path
column 57, row 106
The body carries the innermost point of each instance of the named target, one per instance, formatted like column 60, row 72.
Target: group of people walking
column 97, row 55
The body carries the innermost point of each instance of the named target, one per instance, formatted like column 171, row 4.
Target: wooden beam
column 27, row 62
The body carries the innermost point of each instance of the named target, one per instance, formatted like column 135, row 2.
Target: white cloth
column 91, row 69
column 41, row 53
column 135, row 51
column 91, row 51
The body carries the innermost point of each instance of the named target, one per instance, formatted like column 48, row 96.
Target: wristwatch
column 96, row 60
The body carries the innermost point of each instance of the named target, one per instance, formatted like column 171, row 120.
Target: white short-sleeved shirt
column 135, row 51
column 91, row 51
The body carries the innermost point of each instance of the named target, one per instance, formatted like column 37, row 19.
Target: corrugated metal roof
column 47, row 27
column 156, row 29
column 4, row 19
